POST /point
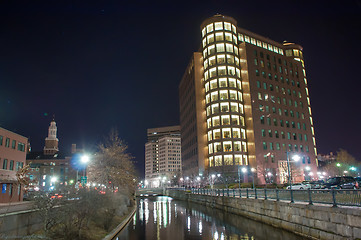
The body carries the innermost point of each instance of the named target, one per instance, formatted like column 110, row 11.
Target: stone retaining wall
column 312, row 221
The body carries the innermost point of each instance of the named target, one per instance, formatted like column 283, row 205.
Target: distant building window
column 1, row 140
column 7, row 142
column 13, row 144
column 11, row 165
column 5, row 164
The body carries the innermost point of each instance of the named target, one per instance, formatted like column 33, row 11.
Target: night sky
column 102, row 64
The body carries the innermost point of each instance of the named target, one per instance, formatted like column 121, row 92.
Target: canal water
column 163, row 218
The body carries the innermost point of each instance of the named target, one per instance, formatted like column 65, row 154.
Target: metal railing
column 334, row 197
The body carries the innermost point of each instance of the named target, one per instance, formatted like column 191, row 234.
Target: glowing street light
column 84, row 159
column 295, row 158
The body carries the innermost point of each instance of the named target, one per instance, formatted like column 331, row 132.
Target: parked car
column 317, row 184
column 300, row 186
column 345, row 182
column 358, row 182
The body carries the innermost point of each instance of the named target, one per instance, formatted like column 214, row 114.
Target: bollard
column 333, row 198
column 309, row 197
column 265, row 194
column 277, row 195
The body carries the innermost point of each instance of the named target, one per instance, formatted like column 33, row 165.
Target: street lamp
column 84, row 159
column 253, row 170
column 339, row 167
column 296, row 158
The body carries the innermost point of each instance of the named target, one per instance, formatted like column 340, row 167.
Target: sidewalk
column 15, row 207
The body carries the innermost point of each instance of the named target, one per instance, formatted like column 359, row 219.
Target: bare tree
column 343, row 162
column 113, row 165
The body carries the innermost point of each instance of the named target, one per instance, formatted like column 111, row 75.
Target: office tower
column 244, row 103
column 162, row 156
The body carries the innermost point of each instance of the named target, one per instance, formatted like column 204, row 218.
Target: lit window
column 219, row 36
column 204, row 42
column 236, row 133
column 215, row 121
column 243, row 133
column 207, row 87
column 209, row 125
column 223, row 82
column 210, row 28
column 210, row 38
column 209, row 135
column 226, row 132
column 221, row 71
column 228, row 160
column 220, row 47
column 233, row 95
column 211, row 50
column 238, row 159
column 296, row 53
column 230, row 59
column 235, row 120
column 214, row 96
column 264, row 145
column 246, row 38
column 234, row 29
column 215, row 109
column 240, row 98
column 203, row 32
column 218, row 26
column 232, row 82
column 227, row 26
column 216, row 134
column 227, row 146
column 229, row 47
column 224, row 107
column 217, row 148
column 214, row 83
column 218, row 160
column 208, row 111
column 221, row 59
column 225, row 120
column 210, row 148
column 228, row 37
column 207, row 98
column 253, row 41
column 234, row 107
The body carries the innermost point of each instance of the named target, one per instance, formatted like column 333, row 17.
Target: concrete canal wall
column 313, row 221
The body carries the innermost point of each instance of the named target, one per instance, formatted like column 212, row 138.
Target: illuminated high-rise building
column 244, row 102
column 162, row 156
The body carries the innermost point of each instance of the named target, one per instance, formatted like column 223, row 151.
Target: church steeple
column 51, row 142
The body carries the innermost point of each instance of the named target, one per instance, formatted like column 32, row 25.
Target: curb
column 120, row 227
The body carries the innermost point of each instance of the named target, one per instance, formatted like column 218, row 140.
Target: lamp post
column 295, row 158
column 84, row 159
column 253, row 170
column 339, row 167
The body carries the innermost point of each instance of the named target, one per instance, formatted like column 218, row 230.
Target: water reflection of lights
column 189, row 223
column 200, row 228
column 222, row 236
column 215, row 237
column 154, row 212
column 134, row 220
column 146, row 211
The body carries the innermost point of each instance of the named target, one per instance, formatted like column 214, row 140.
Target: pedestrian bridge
column 148, row 192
